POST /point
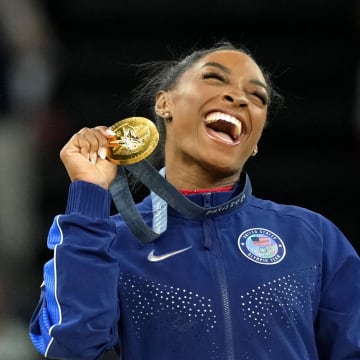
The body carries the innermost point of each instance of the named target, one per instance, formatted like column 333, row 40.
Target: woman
column 253, row 280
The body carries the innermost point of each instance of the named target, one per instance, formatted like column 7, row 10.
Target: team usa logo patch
column 262, row 246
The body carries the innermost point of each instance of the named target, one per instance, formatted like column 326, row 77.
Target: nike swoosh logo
column 154, row 258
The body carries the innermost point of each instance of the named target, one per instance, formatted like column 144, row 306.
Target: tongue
column 220, row 135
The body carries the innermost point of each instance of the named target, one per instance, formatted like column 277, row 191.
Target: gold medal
column 136, row 138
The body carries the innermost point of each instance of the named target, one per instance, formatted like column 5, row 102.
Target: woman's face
column 218, row 109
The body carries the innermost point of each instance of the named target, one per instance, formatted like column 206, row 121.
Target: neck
column 195, row 179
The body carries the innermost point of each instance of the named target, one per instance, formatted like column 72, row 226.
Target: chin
column 223, row 169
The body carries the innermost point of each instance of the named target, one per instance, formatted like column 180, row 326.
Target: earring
column 255, row 151
column 166, row 115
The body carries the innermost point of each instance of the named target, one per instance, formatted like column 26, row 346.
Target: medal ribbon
column 163, row 193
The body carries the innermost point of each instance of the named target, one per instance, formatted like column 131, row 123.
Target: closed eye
column 213, row 75
column 264, row 99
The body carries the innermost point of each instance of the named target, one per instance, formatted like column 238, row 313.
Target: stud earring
column 166, row 115
column 255, row 151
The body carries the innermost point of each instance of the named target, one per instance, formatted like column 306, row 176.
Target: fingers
column 92, row 142
column 84, row 156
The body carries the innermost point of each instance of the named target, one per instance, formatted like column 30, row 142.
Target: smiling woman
column 218, row 110
column 229, row 275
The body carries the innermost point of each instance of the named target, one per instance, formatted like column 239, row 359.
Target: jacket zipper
column 221, row 275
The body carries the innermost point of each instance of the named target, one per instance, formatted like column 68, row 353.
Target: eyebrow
column 228, row 71
column 219, row 66
column 260, row 83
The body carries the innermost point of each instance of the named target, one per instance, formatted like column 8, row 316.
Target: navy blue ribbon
column 155, row 182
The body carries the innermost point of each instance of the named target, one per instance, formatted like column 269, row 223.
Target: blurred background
column 64, row 65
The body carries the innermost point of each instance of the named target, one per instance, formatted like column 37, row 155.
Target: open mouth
column 223, row 127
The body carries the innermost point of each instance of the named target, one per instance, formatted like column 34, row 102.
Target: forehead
column 235, row 61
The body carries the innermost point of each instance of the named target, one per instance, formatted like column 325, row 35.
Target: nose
column 240, row 101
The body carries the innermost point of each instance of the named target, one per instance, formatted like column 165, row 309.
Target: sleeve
column 78, row 312
column 338, row 321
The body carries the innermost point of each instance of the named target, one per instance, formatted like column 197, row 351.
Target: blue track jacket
column 261, row 282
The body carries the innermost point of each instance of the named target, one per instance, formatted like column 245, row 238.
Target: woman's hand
column 84, row 156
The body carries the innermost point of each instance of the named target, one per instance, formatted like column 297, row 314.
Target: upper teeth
column 215, row 116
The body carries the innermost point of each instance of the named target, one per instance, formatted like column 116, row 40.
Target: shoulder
column 294, row 214
column 310, row 228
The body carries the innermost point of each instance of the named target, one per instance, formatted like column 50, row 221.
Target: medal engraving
column 136, row 138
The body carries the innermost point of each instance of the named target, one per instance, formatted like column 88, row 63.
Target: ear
column 162, row 103
column 255, row 151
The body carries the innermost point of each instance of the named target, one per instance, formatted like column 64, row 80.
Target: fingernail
column 102, row 153
column 110, row 132
column 93, row 158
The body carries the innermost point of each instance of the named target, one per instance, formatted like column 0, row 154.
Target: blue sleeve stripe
column 42, row 342
column 52, row 303
column 53, row 316
column 55, row 235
